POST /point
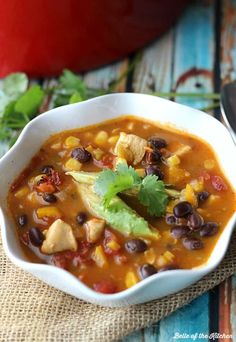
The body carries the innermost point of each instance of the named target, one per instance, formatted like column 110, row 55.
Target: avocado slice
column 118, row 214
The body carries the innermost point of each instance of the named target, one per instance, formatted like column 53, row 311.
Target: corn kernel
column 190, row 195
column 140, row 172
column 71, row 142
column 130, row 279
column 171, row 205
column 22, row 192
column 169, row 256
column 212, row 199
column 130, row 126
column 99, row 257
column 48, row 212
column 150, row 256
column 56, row 146
column 197, row 185
column 113, row 245
column 101, row 138
column 113, row 140
column 175, row 175
column 209, row 164
column 173, row 160
column 73, row 165
column 98, row 153
column 161, row 261
column 183, row 149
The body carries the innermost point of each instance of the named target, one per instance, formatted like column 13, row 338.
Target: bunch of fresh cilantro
column 149, row 190
column 20, row 103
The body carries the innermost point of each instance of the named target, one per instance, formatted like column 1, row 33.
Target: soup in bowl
column 124, row 202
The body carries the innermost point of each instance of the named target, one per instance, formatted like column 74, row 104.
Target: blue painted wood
column 194, row 49
column 188, row 322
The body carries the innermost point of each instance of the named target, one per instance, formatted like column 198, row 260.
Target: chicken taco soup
column 120, row 201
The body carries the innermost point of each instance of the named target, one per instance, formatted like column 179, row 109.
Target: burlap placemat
column 32, row 311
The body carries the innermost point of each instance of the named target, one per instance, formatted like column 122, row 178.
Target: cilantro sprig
column 150, row 191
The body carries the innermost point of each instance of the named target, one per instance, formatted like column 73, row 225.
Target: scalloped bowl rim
column 136, row 293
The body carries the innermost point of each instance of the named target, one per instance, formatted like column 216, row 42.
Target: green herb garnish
column 149, row 190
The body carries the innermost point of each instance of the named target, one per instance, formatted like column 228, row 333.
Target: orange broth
column 198, row 166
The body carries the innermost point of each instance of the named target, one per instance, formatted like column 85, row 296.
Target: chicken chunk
column 94, row 229
column 130, row 147
column 58, row 238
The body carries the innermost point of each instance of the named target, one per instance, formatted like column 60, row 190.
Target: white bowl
column 91, row 112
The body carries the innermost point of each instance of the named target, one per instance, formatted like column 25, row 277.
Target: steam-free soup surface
column 174, row 202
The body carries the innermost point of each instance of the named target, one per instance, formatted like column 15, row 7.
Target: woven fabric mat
column 32, row 311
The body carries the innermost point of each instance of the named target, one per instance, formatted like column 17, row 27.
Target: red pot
column 41, row 37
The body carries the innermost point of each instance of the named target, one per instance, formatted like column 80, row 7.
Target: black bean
column 180, row 231
column 36, row 236
column 170, row 219
column 182, row 209
column 81, row 154
column 50, row 198
column 22, row 220
column 152, row 157
column 147, row 270
column 156, row 142
column 154, row 170
column 192, row 243
column 209, row 229
column 135, row 246
column 81, row 218
column 168, row 268
column 47, row 169
column 202, row 196
column 195, row 221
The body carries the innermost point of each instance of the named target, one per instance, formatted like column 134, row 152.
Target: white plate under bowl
column 95, row 111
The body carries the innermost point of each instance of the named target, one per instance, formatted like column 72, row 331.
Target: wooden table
column 197, row 55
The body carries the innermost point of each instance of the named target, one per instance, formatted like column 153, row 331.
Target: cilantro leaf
column 123, row 168
column 29, row 103
column 109, row 183
column 152, row 194
column 76, row 97
column 70, row 81
column 15, row 84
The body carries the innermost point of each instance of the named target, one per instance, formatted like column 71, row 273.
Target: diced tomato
column 106, row 162
column 59, row 260
column 49, row 183
column 105, row 286
column 81, row 256
column 54, row 177
column 45, row 187
column 218, row 183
